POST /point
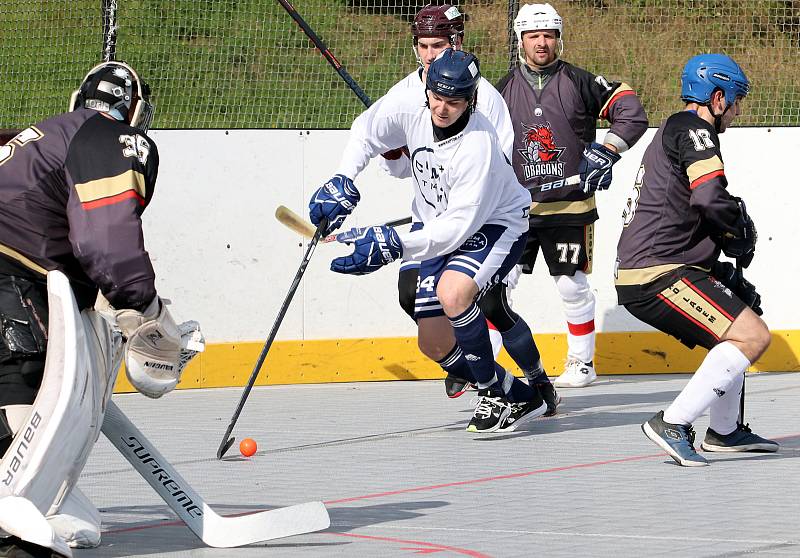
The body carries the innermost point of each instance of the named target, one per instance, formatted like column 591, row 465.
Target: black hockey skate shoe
column 489, row 412
column 741, row 439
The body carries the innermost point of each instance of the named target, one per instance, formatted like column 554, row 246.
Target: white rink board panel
column 225, row 261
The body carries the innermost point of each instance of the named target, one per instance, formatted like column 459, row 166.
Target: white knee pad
column 576, row 294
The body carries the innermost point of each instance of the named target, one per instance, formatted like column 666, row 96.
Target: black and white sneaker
column 741, row 439
column 455, row 386
column 675, row 439
column 522, row 412
column 551, row 397
column 489, row 413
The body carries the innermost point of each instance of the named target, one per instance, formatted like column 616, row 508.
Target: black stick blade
column 224, row 447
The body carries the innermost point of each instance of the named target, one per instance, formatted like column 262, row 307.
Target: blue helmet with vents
column 454, row 73
column 705, row 73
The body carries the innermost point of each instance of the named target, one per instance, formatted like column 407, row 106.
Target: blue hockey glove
column 595, row 167
column 374, row 248
column 334, row 200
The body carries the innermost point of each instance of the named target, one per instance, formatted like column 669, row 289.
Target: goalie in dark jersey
column 72, row 192
column 678, row 219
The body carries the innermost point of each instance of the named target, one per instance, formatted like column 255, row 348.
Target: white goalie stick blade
column 292, row 220
column 211, row 528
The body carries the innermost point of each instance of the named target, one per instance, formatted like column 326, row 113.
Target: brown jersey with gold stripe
column 678, row 202
column 72, row 192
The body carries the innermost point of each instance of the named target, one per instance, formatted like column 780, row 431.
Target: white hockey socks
column 578, row 302
column 717, row 375
column 724, row 412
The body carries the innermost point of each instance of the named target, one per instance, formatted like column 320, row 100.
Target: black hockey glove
column 742, row 246
column 727, row 274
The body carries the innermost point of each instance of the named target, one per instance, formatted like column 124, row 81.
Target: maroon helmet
column 438, row 21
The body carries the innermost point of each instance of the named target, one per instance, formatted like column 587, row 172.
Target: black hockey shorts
column 23, row 338
column 696, row 309
column 566, row 249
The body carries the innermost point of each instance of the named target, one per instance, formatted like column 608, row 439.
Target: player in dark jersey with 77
column 678, row 219
column 554, row 108
column 72, row 192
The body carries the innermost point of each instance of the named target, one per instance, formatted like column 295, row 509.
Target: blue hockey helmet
column 706, row 72
column 454, row 73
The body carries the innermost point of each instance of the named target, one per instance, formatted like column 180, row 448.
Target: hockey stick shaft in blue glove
column 227, row 440
column 394, row 223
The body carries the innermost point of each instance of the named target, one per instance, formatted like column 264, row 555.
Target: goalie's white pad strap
column 51, row 448
column 78, row 521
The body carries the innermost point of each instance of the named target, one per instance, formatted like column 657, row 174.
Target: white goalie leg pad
column 50, row 449
column 579, row 303
column 77, row 521
column 20, row 518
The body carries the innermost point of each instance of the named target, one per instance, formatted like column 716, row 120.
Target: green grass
column 245, row 64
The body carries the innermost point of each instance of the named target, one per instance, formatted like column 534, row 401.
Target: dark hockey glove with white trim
column 374, row 248
column 742, row 246
column 595, row 167
column 727, row 274
column 334, row 200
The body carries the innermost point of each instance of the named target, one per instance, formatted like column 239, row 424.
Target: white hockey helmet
column 537, row 17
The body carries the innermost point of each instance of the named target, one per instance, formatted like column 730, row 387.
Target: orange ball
column 248, row 447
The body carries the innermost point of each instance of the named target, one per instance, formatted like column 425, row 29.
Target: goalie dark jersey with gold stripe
column 551, row 128
column 678, row 201
column 72, row 192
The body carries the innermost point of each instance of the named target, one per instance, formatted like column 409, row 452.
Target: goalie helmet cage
column 250, row 66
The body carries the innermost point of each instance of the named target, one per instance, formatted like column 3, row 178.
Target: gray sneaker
column 741, row 439
column 675, row 439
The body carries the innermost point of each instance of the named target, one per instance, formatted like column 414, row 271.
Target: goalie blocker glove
column 741, row 247
column 334, row 200
column 374, row 248
column 728, row 275
column 595, row 167
column 157, row 350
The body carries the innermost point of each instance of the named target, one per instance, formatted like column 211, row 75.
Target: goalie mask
column 116, row 89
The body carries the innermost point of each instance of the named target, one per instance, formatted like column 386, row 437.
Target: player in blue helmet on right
column 677, row 221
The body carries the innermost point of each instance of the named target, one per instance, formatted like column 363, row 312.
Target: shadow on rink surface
column 400, row 476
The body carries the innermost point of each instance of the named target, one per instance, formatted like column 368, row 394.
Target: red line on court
column 499, row 477
column 433, row 546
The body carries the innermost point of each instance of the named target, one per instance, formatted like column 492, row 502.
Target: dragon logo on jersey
column 540, row 152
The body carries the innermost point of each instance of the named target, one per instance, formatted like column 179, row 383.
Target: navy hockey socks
column 521, row 347
column 472, row 335
column 455, row 363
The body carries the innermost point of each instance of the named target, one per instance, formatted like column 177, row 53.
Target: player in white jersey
column 474, row 216
column 435, row 28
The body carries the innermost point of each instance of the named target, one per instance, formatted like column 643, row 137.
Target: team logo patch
column 475, row 243
column 540, row 152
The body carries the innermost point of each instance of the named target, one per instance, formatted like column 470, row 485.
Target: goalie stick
column 292, row 220
column 213, row 529
column 227, row 439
